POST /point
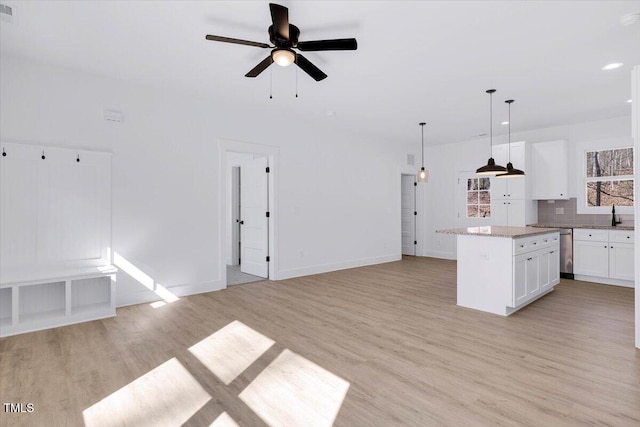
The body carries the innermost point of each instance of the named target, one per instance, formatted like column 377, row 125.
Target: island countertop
column 499, row 231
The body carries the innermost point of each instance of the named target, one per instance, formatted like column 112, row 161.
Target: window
column 478, row 198
column 609, row 177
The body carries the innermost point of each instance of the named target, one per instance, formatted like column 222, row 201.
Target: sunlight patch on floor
column 293, row 391
column 231, row 350
column 166, row 395
column 224, row 420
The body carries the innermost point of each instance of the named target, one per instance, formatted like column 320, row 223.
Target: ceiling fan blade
column 235, row 41
column 280, row 18
column 309, row 68
column 260, row 67
column 336, row 44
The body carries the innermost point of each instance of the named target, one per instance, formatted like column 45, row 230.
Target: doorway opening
column 248, row 219
column 247, row 198
column 408, row 214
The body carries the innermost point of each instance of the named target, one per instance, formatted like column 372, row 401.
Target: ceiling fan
column 284, row 37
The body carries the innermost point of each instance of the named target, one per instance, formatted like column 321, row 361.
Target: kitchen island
column 502, row 269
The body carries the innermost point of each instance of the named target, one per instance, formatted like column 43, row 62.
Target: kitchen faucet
column 613, row 217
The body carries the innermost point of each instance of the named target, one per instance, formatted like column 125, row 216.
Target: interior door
column 473, row 196
column 254, row 223
column 408, row 217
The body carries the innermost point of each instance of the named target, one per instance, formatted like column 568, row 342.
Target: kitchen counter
column 500, row 231
column 590, row 226
column 502, row 269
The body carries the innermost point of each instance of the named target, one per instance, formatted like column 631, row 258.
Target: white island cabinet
column 502, row 269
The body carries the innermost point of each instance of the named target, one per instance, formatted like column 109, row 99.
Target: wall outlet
column 559, row 211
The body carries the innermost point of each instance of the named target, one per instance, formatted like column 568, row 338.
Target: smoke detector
column 630, row 18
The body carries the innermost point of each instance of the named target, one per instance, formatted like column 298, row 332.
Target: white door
column 474, row 195
column 591, row 258
column 621, row 261
column 408, row 217
column 500, row 212
column 533, row 275
column 544, row 270
column 254, row 205
column 519, row 279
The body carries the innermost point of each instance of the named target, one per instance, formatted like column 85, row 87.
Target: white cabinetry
column 604, row 256
column 31, row 305
column 511, row 202
column 501, row 275
column 549, row 174
column 55, row 217
column 536, row 267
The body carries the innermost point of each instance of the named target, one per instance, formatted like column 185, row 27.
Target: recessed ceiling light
column 331, row 113
column 612, row 66
column 504, row 123
column 629, row 101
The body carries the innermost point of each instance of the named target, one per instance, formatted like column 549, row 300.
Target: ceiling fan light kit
column 490, row 169
column 511, row 171
column 283, row 57
column 284, row 37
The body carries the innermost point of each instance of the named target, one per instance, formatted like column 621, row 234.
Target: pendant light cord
column 490, row 92
column 491, row 123
column 422, row 126
column 509, row 101
column 509, row 131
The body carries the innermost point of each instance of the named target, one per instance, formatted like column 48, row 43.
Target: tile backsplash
column 562, row 212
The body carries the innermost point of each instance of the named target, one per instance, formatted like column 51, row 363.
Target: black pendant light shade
column 511, row 171
column 423, row 174
column 491, row 169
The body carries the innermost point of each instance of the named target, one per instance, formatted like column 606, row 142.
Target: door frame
column 415, row 209
column 421, row 218
column 272, row 153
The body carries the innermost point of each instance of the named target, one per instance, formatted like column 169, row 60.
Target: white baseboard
column 200, row 288
column 325, row 268
column 440, row 254
column 123, row 300
column 605, row 281
column 147, row 296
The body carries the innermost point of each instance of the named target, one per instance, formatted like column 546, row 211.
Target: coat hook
column 4, row 153
column 78, row 158
column 43, row 157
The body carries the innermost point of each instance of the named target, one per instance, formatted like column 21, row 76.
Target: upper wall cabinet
column 550, row 170
column 511, row 203
column 55, row 210
column 513, row 188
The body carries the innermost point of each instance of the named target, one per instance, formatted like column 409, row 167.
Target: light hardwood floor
column 392, row 331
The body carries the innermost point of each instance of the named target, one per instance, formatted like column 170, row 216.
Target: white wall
column 339, row 194
column 635, row 85
column 445, row 161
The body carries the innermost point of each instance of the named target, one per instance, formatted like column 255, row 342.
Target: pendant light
column 423, row 174
column 491, row 169
column 511, row 171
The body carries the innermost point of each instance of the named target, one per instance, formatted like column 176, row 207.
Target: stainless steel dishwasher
column 566, row 253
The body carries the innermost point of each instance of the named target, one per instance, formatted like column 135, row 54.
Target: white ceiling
column 416, row 61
